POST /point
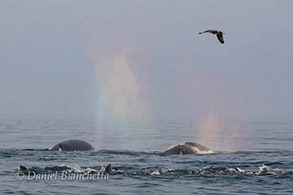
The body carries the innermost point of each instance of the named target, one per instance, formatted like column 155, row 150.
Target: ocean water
column 259, row 158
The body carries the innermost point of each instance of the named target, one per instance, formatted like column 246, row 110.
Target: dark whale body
column 179, row 149
column 189, row 148
column 73, row 145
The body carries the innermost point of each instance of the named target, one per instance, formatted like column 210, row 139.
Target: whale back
column 188, row 148
column 179, row 149
column 73, row 145
column 198, row 147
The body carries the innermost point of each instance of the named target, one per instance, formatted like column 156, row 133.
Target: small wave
column 127, row 152
column 198, row 151
column 266, row 170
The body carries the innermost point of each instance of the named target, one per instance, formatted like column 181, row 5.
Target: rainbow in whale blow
column 119, row 92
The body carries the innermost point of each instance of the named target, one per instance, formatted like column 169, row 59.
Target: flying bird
column 217, row 32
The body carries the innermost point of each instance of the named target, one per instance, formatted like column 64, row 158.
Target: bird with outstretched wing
column 216, row 32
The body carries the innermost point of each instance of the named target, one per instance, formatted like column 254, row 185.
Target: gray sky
column 145, row 60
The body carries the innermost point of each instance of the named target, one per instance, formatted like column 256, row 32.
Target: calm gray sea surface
column 259, row 158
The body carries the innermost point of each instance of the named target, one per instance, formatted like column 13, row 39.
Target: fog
column 143, row 60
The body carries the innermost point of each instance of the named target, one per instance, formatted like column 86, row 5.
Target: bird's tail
column 200, row 32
